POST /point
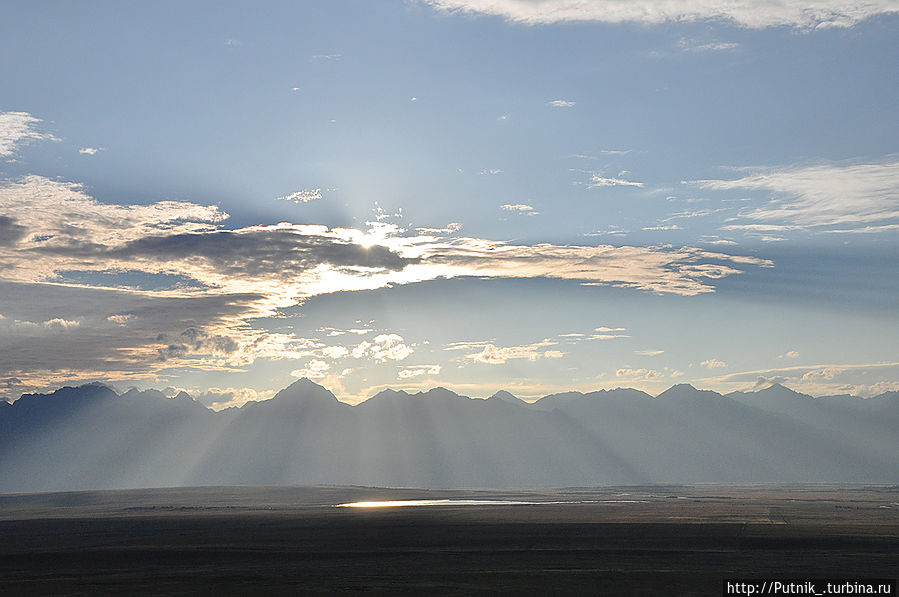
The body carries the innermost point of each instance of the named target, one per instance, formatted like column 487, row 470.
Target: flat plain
column 646, row 540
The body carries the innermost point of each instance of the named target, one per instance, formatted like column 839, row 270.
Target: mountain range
column 91, row 437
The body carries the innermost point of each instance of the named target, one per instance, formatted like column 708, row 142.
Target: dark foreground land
column 655, row 540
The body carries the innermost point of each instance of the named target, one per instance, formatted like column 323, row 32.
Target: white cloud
column 314, row 369
column 612, row 231
column 600, row 333
column 497, row 355
column 637, row 373
column 58, row 227
column 90, row 150
column 553, row 354
column 221, row 398
column 520, row 209
column 826, row 195
column 713, row 364
column 121, row 319
column 691, row 45
column 491, row 171
column 666, row 227
column 338, row 332
column 17, row 128
column 827, row 373
column 698, row 213
column 559, row 103
column 753, row 14
column 789, row 355
column 327, row 56
column 450, row 228
column 335, row 352
column 597, row 181
column 864, row 230
column 61, row 324
column 607, row 333
column 504, row 117
column 648, row 353
column 384, row 347
column 606, row 336
column 303, row 196
column 418, row 371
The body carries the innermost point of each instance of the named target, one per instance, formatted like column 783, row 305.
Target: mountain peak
column 305, row 391
column 682, row 387
column 441, row 393
column 504, row 395
column 685, row 391
column 90, row 390
column 780, row 388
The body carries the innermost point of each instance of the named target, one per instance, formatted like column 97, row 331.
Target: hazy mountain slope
column 91, row 437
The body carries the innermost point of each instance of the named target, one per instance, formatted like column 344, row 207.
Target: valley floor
column 652, row 540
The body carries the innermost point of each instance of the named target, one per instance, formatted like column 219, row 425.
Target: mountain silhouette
column 91, row 437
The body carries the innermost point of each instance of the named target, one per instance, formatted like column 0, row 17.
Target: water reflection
column 451, row 502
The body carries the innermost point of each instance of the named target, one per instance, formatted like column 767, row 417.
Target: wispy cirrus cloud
column 17, row 128
column 693, row 45
column 607, row 333
column 220, row 398
column 753, row 14
column 560, row 103
column 597, row 181
column 303, row 196
column 827, row 196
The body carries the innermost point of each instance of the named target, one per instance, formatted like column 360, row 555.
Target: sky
column 530, row 195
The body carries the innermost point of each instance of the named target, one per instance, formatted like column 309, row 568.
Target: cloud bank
column 99, row 290
column 752, row 14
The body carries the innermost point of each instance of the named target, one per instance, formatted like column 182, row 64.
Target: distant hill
column 92, row 437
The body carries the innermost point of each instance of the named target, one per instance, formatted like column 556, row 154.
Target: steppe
column 630, row 540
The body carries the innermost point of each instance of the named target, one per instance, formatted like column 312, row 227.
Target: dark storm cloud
column 10, row 232
column 261, row 251
column 120, row 332
column 195, row 340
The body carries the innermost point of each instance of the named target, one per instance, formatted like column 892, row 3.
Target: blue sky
column 480, row 194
